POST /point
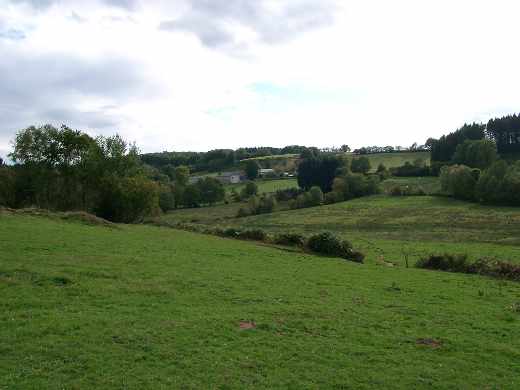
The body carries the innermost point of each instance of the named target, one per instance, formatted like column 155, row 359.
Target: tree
column 319, row 172
column 476, row 154
column 191, row 196
column 360, row 165
column 444, row 148
column 252, row 169
column 345, row 148
column 316, row 196
column 182, row 175
column 459, row 181
column 250, row 189
column 211, row 190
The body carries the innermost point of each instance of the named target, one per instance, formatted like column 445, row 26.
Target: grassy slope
column 391, row 160
column 384, row 226
column 267, row 186
column 146, row 307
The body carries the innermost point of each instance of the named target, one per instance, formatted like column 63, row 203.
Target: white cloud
column 356, row 72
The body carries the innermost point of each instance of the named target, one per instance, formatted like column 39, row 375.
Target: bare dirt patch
column 429, row 343
column 244, row 325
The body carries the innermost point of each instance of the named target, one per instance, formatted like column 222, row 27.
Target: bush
column 360, row 165
column 166, row 198
column 315, row 196
column 328, row 244
column 459, row 181
column 288, row 194
column 417, row 169
column 250, row 189
column 255, row 235
column 461, row 264
column 446, row 262
column 289, row 239
column 333, row 197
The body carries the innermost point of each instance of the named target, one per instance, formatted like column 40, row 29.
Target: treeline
column 499, row 184
column 504, row 132
column 64, row 169
column 215, row 160
column 392, row 149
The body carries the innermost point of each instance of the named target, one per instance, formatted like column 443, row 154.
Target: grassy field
column 391, row 228
column 267, row 186
column 430, row 185
column 392, row 160
column 140, row 307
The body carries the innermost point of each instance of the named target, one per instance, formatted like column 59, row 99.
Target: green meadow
column 391, row 229
column 132, row 306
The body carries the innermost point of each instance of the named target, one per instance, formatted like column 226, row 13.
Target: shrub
column 250, row 189
column 360, row 165
column 458, row 181
column 333, row 197
column 315, row 196
column 255, row 235
column 230, row 232
column 287, row 194
column 328, row 244
column 460, row 263
column 446, row 262
column 289, row 239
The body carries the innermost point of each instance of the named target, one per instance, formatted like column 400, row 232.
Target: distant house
column 195, row 179
column 266, row 172
column 230, row 177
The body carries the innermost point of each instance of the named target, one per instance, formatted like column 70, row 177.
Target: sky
column 205, row 74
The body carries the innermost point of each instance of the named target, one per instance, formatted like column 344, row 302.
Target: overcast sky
column 206, row 74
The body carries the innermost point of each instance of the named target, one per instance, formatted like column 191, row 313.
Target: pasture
column 393, row 228
column 136, row 307
column 393, row 160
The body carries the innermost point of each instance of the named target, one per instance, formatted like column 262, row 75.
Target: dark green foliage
column 258, row 205
column 7, row 186
column 254, row 235
column 288, row 194
column 166, row 198
column 128, row 199
column 289, row 239
column 252, row 169
column 191, row 196
column 459, row 181
column 64, row 169
column 318, row 171
column 333, row 197
column 461, row 263
column 315, row 196
column 211, row 190
column 250, row 189
column 500, row 184
column 506, row 133
column 446, row 262
column 360, row 165
column 476, row 154
column 411, row 170
column 444, row 148
column 356, row 185
column 328, row 244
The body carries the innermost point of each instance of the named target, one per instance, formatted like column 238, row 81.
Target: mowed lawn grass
column 140, row 307
column 391, row 228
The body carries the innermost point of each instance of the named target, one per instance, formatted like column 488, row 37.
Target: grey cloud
column 12, row 34
column 52, row 88
column 208, row 19
column 43, row 4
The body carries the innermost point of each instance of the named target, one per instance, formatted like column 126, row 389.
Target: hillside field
column 391, row 228
column 393, row 160
column 145, row 307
